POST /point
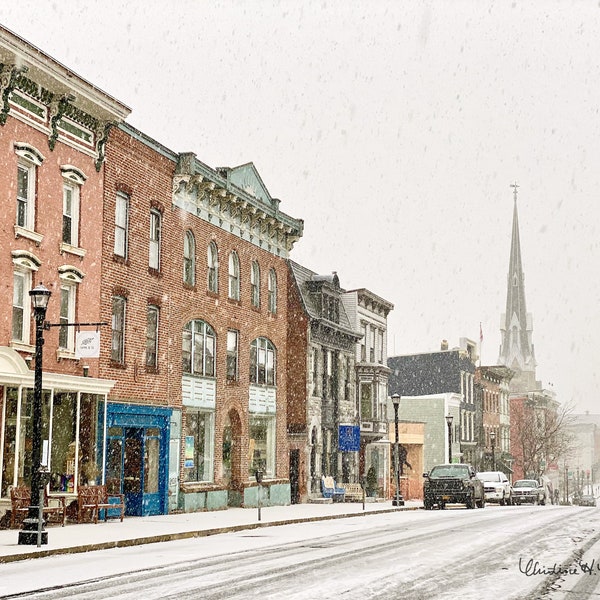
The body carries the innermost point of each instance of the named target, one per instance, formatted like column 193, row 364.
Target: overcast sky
column 394, row 129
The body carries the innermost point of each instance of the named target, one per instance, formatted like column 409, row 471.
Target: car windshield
column 525, row 483
column 488, row 476
column 450, row 471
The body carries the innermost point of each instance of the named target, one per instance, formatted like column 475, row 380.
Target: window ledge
column 72, row 250
column 234, row 301
column 64, row 353
column 22, row 346
column 154, row 272
column 30, row 235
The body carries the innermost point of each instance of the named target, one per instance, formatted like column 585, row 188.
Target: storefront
column 137, row 452
column 72, row 431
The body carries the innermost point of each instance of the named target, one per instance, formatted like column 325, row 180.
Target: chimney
column 444, row 345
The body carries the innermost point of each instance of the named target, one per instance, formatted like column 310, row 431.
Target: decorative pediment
column 246, row 178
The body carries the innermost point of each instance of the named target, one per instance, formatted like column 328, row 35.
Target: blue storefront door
column 136, row 462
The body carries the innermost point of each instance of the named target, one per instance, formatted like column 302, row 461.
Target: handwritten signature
column 532, row 567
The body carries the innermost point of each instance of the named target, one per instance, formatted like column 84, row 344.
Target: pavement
column 133, row 531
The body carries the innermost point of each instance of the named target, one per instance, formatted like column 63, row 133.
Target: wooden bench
column 20, row 500
column 91, row 499
column 354, row 492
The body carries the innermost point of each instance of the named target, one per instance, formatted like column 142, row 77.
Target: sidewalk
column 161, row 528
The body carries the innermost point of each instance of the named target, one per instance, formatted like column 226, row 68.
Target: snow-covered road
column 499, row 552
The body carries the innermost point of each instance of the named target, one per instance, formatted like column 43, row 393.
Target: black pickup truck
column 452, row 484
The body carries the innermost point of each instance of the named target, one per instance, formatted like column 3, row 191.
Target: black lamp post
column 259, row 479
column 33, row 526
column 398, row 500
column 493, row 444
column 449, row 419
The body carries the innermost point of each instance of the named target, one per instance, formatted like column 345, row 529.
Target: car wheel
column 509, row 501
column 503, row 501
column 428, row 505
column 470, row 503
column 442, row 505
column 543, row 501
column 481, row 503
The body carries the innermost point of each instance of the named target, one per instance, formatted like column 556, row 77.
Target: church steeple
column 516, row 348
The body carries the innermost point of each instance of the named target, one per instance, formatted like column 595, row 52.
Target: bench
column 354, row 492
column 91, row 499
column 329, row 489
column 20, row 501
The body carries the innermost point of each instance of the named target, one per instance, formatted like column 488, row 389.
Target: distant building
column 323, row 423
column 434, row 385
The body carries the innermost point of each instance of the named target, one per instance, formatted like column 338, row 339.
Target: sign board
column 87, row 344
column 349, row 438
column 189, row 452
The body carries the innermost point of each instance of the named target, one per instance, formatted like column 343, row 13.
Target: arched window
column 234, row 276
column 189, row 258
column 213, row 268
column 272, row 291
column 255, row 284
column 198, row 350
column 262, row 362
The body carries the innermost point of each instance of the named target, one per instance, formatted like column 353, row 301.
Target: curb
column 183, row 535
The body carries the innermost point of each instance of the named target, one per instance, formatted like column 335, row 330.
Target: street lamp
column 33, row 526
column 449, row 419
column 493, row 443
column 398, row 500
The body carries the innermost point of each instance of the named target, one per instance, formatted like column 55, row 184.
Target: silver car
column 528, row 491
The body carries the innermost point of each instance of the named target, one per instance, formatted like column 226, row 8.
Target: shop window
column 199, row 435
column 261, row 445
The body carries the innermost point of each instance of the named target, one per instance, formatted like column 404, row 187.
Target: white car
column 496, row 486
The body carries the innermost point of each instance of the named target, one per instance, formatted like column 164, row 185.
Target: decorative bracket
column 8, row 82
column 56, row 111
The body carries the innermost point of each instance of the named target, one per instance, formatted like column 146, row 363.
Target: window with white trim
column 262, row 361
column 155, row 233
column 21, row 308
column 119, row 305
column 234, row 276
column 121, row 224
column 70, row 229
column 68, row 298
column 213, row 268
column 152, row 336
column 272, row 283
column 189, row 258
column 255, row 284
column 26, row 195
column 198, row 350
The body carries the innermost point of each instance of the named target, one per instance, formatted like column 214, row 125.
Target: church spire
column 516, row 348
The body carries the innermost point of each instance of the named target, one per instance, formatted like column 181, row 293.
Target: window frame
column 263, row 362
column 152, row 331
column 255, row 284
column 118, row 324
column 28, row 201
column 200, row 332
column 209, row 436
column 121, row 243
column 232, row 370
column 234, row 276
column 24, row 308
column 212, row 275
column 154, row 244
column 189, row 258
column 74, row 217
column 272, row 285
column 66, row 335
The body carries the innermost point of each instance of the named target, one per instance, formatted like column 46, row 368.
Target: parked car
column 496, row 487
column 528, row 491
column 587, row 500
column 452, row 483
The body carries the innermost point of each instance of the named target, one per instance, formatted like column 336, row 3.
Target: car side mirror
column 425, row 475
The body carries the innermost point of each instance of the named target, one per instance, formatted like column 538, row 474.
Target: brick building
column 186, row 267
column 53, row 127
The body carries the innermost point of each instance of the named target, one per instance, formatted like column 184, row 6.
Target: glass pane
column 114, row 456
column 132, row 465
column 10, row 440
column 151, row 464
column 88, row 439
column 62, row 459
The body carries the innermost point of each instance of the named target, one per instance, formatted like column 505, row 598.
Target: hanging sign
column 87, row 344
column 349, row 438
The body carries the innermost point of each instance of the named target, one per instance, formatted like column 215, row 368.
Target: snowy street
column 515, row 551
